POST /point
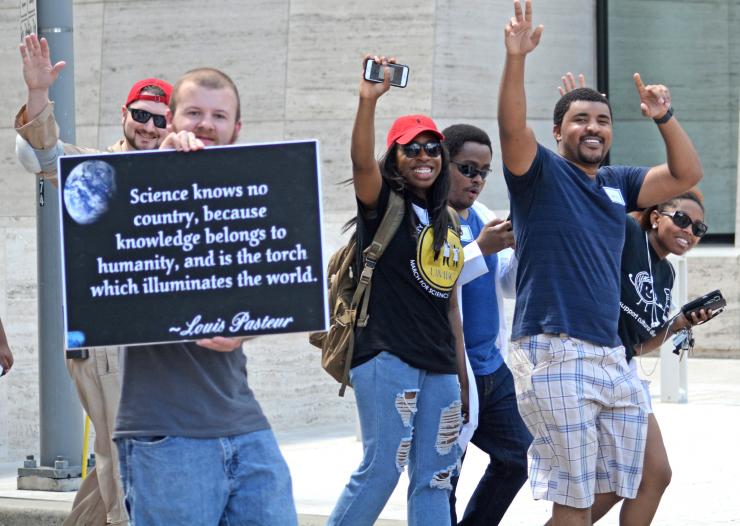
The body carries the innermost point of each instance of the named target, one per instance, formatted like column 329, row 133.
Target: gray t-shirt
column 182, row 389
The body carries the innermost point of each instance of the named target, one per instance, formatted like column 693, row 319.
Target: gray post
column 60, row 412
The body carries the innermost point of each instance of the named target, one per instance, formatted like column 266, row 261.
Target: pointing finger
column 638, row 83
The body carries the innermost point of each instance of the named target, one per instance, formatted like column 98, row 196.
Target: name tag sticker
column 467, row 233
column 615, row 194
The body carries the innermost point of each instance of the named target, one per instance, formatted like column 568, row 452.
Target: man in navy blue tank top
column 573, row 386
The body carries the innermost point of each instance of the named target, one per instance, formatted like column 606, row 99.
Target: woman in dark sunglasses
column 406, row 360
column 673, row 227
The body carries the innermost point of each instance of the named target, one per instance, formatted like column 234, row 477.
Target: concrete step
column 27, row 512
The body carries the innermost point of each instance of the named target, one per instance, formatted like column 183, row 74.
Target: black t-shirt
column 410, row 292
column 645, row 299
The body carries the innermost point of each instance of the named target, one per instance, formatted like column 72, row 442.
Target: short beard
column 131, row 141
column 593, row 159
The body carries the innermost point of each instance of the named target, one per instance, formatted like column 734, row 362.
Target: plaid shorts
column 584, row 408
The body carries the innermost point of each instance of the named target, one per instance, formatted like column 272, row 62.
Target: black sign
column 170, row 246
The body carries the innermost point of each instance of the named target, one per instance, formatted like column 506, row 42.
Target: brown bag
column 349, row 295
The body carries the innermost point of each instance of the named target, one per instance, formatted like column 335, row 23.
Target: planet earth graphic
column 88, row 191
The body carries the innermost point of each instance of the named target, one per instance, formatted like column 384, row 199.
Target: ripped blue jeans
column 409, row 418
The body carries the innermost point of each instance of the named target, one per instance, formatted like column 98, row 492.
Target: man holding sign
column 194, row 444
column 94, row 371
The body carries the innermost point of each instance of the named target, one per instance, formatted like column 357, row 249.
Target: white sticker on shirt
column 615, row 194
column 421, row 214
column 467, row 233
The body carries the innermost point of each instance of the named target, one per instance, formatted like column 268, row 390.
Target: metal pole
column 60, row 411
column 674, row 373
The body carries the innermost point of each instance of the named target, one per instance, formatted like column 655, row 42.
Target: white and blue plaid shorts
column 584, row 408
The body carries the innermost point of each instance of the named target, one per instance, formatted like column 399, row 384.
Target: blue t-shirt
column 569, row 230
column 480, row 308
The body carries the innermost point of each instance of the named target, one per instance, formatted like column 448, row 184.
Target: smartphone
column 713, row 300
column 399, row 73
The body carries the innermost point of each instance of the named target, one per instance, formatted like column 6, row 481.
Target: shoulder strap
column 388, row 226
column 386, row 230
column 454, row 218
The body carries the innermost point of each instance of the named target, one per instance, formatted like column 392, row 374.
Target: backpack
column 348, row 294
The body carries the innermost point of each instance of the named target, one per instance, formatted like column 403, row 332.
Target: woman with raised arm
column 406, row 360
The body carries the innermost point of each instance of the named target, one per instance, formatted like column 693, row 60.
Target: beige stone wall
column 297, row 65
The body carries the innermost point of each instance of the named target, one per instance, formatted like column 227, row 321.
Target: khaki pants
column 99, row 500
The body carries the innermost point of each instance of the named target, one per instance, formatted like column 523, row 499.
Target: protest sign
column 172, row 246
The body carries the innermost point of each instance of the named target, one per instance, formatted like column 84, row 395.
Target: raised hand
column 374, row 90
column 655, row 99
column 520, row 36
column 569, row 83
column 38, row 72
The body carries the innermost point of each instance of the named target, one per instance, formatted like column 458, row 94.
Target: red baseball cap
column 136, row 94
column 409, row 126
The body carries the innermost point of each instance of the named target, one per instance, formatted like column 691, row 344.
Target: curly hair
column 587, row 94
column 458, row 134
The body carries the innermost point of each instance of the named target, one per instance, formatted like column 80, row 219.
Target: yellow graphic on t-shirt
column 440, row 273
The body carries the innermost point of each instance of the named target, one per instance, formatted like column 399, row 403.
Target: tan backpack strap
column 383, row 236
column 454, row 218
column 386, row 230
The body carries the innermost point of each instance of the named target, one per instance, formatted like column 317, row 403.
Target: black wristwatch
column 666, row 117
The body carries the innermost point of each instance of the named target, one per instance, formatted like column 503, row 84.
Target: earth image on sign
column 88, row 191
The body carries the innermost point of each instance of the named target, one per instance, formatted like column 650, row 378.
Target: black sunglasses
column 413, row 149
column 682, row 220
column 143, row 116
column 470, row 171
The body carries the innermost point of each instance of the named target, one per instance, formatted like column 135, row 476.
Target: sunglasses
column 413, row 149
column 470, row 171
column 143, row 116
column 682, row 220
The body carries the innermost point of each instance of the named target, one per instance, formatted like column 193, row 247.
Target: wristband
column 666, row 117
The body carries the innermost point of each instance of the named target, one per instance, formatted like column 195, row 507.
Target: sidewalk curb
column 23, row 512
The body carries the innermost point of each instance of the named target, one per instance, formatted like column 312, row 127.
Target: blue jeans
column 502, row 434
column 408, row 417
column 237, row 480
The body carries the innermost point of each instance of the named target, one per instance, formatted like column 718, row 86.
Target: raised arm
column 518, row 143
column 6, row 357
column 683, row 168
column 365, row 170
column 38, row 73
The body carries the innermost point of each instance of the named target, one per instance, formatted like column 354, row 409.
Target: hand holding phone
column 374, row 72
column 713, row 301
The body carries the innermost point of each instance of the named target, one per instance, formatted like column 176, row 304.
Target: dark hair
column 210, row 78
column 587, row 94
column 458, row 134
column 644, row 219
column 436, row 195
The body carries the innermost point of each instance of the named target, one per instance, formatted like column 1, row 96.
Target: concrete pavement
column 700, row 436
